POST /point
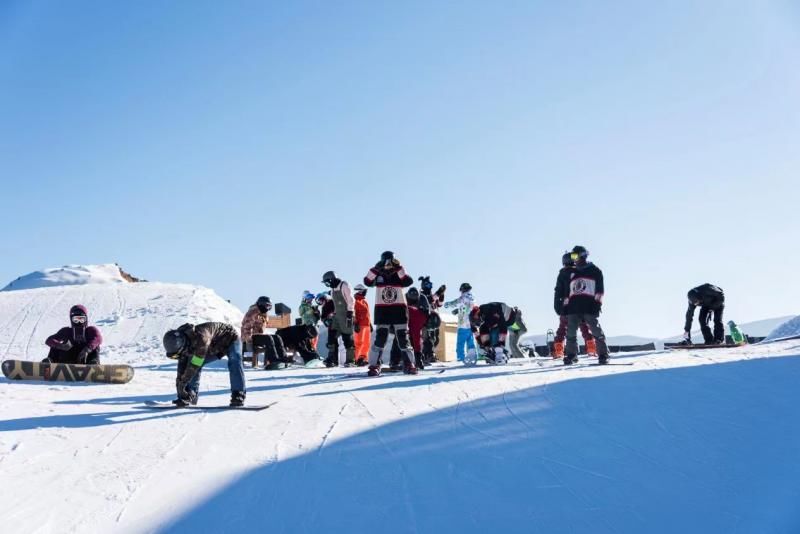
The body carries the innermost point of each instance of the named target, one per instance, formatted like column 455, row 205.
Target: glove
column 83, row 355
column 65, row 346
column 185, row 394
column 327, row 322
column 349, row 321
column 356, row 328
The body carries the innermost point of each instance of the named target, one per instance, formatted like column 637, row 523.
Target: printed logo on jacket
column 582, row 287
column 390, row 296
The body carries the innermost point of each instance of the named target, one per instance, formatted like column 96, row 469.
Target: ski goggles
column 79, row 319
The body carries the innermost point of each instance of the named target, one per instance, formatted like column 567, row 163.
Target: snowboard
column 698, row 347
column 67, row 372
column 167, row 405
column 437, row 371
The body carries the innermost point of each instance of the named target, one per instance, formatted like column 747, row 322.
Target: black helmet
column 264, row 304
column 694, row 296
column 329, row 278
column 580, row 251
column 360, row 288
column 174, row 343
column 566, row 260
column 412, row 295
column 387, row 256
column 465, row 287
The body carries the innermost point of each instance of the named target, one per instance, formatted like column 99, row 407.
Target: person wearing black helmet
column 255, row 323
column 562, row 289
column 430, row 334
column 583, row 300
column 341, row 323
column 388, row 277
column 196, row 345
column 711, row 299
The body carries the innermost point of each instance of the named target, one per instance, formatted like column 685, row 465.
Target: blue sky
column 251, row 146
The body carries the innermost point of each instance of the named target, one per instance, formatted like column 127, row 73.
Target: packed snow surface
column 790, row 328
column 68, row 275
column 683, row 441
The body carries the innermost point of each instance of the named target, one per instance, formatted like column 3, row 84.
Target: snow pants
column 361, row 341
column 272, row 347
column 430, row 340
column 464, row 339
column 561, row 333
column 71, row 356
column 235, row 369
column 513, row 342
column 333, row 345
column 719, row 330
column 573, row 322
column 382, row 332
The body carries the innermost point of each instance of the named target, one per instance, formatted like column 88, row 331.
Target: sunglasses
column 79, row 319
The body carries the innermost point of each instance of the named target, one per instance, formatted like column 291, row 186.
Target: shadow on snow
column 709, row 448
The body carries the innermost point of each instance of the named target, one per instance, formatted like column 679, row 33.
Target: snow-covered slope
column 789, row 328
column 131, row 317
column 108, row 273
column 677, row 442
column 689, row 441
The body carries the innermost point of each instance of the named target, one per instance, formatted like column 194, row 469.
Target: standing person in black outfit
column 710, row 298
column 583, row 303
column 389, row 277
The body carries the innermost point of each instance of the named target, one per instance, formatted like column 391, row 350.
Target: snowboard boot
column 361, row 362
column 602, row 360
column 330, row 363
column 374, row 370
column 569, row 359
column 410, row 370
column 591, row 347
column 237, row 398
column 558, row 350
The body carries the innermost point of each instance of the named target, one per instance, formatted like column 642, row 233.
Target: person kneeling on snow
column 77, row 343
column 492, row 321
column 300, row 339
column 196, row 345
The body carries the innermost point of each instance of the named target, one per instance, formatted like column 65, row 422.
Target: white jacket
column 463, row 305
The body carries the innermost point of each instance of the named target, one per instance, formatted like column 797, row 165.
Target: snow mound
column 131, row 317
column 788, row 329
column 68, row 275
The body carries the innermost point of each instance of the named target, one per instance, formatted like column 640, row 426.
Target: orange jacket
column 362, row 311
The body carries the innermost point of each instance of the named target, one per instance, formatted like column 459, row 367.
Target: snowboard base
column 167, row 405
column 67, row 372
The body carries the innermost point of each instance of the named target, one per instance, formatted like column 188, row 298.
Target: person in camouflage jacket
column 196, row 345
column 255, row 322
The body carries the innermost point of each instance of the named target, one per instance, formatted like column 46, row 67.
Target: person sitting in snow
column 196, row 345
column 77, row 343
